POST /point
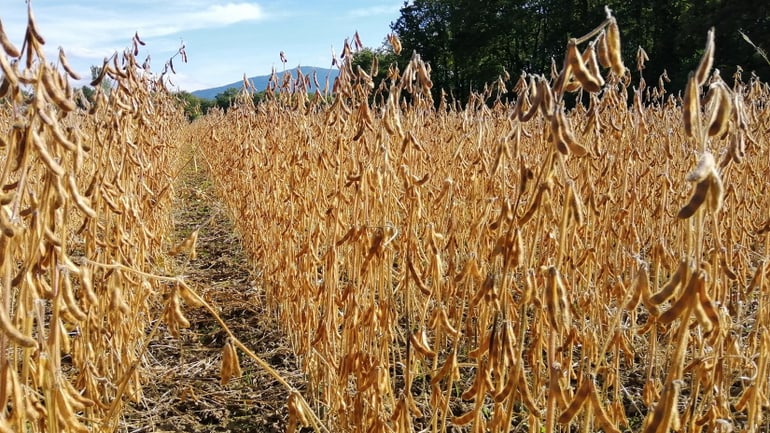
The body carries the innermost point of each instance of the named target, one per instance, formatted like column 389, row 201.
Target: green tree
column 365, row 59
column 206, row 105
column 258, row 97
column 193, row 105
column 469, row 43
column 89, row 92
column 424, row 27
column 225, row 99
column 729, row 19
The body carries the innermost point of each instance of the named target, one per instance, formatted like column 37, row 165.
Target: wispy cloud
column 224, row 38
column 384, row 9
column 92, row 31
column 229, row 13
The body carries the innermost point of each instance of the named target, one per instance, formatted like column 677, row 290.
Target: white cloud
column 226, row 14
column 185, row 82
column 388, row 9
column 220, row 40
column 93, row 31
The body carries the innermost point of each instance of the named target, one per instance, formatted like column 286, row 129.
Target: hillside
column 260, row 82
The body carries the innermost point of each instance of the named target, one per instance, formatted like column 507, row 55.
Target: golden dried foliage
column 524, row 258
column 489, row 267
column 85, row 215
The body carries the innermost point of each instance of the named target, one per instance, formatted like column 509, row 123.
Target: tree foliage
column 365, row 58
column 194, row 106
column 227, row 98
column 470, row 43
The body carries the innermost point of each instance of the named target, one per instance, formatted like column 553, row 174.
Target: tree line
column 195, row 106
column 469, row 43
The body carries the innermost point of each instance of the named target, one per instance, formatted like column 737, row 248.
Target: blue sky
column 223, row 39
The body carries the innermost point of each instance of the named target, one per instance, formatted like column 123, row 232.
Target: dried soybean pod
column 708, row 308
column 670, row 288
column 525, row 117
column 560, row 81
column 6, row 43
column 13, row 333
column 80, row 201
column 722, row 111
column 702, row 318
column 13, row 392
column 544, row 187
column 546, row 102
column 417, row 279
column 444, row 320
column 754, row 282
column 87, row 284
column 557, row 134
column 579, row 68
column 447, row 370
column 556, row 301
column 32, row 26
column 715, row 193
column 744, row 399
column 603, row 419
column 613, row 48
column 641, row 285
column 688, row 299
column 42, row 150
column 508, row 388
column 5, row 87
column 569, row 138
column 662, row 417
column 8, row 72
column 66, row 414
column 421, row 344
column 65, row 64
column 578, row 401
column 691, row 106
column 116, row 300
column 6, row 226
column 191, row 298
column 102, row 73
column 57, row 95
column 707, row 60
column 577, row 209
column 68, row 296
column 572, row 86
column 187, row 246
column 176, row 310
column 731, row 275
column 464, row 419
column 704, row 168
column 62, row 139
column 592, row 63
column 603, row 50
column 483, row 348
column 79, row 401
column 231, row 366
column 697, row 199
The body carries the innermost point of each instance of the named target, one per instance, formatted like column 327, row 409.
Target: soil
column 182, row 391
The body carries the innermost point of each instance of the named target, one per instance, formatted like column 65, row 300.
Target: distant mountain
column 260, row 82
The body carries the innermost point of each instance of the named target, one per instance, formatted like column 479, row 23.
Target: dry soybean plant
column 85, row 211
column 512, row 266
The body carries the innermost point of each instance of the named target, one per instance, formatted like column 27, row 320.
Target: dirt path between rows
column 183, row 391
